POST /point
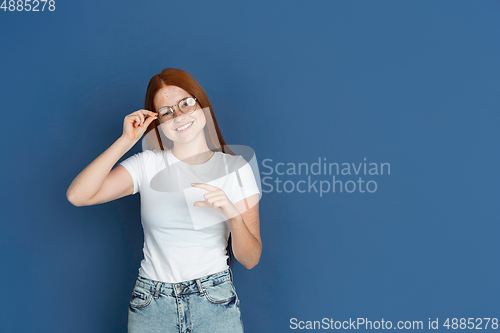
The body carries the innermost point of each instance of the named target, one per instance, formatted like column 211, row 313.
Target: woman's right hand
column 136, row 123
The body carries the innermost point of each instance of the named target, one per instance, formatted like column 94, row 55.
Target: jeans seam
column 189, row 292
column 213, row 301
column 147, row 301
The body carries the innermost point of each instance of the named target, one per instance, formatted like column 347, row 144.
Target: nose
column 179, row 113
column 178, row 118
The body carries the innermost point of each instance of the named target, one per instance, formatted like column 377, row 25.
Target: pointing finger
column 204, row 186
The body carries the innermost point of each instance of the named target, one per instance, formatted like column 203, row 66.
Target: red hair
column 182, row 79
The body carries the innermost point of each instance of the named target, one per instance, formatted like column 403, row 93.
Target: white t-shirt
column 183, row 242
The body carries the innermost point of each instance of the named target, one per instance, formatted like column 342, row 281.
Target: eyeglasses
column 186, row 105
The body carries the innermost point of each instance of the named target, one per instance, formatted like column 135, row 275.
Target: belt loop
column 202, row 291
column 230, row 273
column 174, row 288
column 157, row 289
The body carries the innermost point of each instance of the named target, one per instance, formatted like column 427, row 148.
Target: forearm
column 246, row 248
column 89, row 181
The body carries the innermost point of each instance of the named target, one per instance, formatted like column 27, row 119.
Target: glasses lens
column 165, row 114
column 187, row 105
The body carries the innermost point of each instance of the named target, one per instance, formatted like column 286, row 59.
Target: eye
column 189, row 101
column 164, row 111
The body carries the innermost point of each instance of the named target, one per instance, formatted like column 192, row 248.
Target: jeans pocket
column 140, row 298
column 220, row 293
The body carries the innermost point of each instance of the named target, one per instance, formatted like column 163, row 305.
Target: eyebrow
column 176, row 104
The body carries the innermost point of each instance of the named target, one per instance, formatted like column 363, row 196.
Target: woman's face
column 196, row 121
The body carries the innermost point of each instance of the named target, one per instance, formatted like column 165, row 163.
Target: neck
column 193, row 152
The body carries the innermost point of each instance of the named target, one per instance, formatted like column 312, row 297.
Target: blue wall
column 410, row 83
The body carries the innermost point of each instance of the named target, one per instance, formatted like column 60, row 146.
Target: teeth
column 184, row 127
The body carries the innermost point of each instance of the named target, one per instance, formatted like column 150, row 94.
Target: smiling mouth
column 184, row 127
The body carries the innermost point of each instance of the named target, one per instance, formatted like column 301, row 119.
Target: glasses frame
column 178, row 107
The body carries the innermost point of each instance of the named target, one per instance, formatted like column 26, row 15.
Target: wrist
column 236, row 222
column 231, row 213
column 127, row 141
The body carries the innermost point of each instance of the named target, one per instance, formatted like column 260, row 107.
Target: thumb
column 201, row 204
column 149, row 120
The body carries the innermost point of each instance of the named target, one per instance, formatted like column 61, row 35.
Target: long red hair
column 182, row 79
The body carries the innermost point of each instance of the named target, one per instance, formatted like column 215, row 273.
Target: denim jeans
column 208, row 304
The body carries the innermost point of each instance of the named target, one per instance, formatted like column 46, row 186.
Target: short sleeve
column 134, row 166
column 245, row 183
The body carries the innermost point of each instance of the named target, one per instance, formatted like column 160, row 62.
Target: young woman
column 195, row 212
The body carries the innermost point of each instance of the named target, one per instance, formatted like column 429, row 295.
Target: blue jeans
column 208, row 304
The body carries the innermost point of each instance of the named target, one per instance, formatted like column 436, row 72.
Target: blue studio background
column 410, row 83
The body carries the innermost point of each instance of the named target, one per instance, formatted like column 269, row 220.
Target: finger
column 219, row 204
column 149, row 120
column 149, row 113
column 201, row 204
column 204, row 186
column 130, row 116
column 146, row 114
column 132, row 119
column 141, row 117
column 137, row 121
column 212, row 194
column 216, row 198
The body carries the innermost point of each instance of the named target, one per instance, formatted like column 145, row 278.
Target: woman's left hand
column 217, row 200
